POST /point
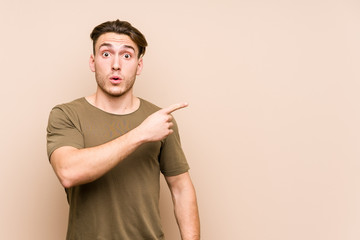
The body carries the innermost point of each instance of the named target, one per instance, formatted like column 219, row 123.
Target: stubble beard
column 101, row 82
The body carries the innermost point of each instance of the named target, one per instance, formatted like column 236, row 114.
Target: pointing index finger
column 174, row 107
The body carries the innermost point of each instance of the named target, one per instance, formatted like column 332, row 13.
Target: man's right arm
column 73, row 167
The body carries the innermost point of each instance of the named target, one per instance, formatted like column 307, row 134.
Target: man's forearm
column 73, row 167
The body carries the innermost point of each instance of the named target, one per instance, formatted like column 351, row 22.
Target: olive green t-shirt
column 122, row 204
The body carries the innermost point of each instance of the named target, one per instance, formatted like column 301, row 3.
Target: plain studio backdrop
column 271, row 134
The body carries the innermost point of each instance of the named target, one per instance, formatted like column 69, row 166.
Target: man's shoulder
column 72, row 105
column 148, row 105
column 69, row 109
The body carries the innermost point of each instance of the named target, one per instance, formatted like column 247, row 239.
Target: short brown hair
column 120, row 27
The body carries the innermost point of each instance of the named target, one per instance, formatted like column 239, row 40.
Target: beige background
column 272, row 132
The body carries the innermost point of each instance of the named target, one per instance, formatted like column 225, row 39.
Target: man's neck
column 124, row 104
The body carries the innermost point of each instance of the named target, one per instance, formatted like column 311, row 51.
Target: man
column 108, row 149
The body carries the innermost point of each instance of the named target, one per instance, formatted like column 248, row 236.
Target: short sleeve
column 172, row 158
column 62, row 130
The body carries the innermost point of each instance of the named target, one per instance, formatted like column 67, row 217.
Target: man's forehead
column 115, row 40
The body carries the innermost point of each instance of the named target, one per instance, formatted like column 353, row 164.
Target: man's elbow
column 66, row 173
column 66, row 178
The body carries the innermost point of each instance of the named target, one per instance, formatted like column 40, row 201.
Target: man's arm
column 78, row 166
column 185, row 205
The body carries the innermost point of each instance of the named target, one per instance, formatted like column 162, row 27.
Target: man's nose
column 116, row 63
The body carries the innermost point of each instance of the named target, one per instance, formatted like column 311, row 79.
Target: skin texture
column 115, row 56
column 116, row 66
column 185, row 206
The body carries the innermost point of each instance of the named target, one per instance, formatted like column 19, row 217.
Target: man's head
column 117, row 59
column 120, row 27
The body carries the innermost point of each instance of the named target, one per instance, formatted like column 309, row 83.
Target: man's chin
column 117, row 94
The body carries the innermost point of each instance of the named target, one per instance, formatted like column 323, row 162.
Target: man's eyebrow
column 131, row 47
column 105, row 45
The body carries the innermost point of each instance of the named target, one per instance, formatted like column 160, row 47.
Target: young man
column 108, row 149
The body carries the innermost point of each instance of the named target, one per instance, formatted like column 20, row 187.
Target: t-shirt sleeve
column 62, row 130
column 172, row 158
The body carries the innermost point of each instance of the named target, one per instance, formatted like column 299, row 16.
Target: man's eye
column 126, row 55
column 106, row 54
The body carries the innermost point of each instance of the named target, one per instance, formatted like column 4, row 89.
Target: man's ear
column 140, row 66
column 92, row 63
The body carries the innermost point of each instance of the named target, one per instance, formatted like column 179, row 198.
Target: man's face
column 115, row 64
